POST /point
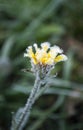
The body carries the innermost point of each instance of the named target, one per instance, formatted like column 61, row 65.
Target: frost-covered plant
column 43, row 60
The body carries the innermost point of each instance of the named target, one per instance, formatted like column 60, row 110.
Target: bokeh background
column 22, row 23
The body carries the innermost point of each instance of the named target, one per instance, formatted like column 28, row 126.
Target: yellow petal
column 60, row 58
column 34, row 61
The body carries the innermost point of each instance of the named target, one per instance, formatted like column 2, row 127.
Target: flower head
column 45, row 55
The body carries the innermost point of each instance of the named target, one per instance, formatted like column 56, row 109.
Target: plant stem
column 26, row 111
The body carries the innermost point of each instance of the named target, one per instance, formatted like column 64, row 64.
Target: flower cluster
column 43, row 60
column 45, row 55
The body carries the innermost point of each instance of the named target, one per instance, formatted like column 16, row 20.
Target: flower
column 45, row 55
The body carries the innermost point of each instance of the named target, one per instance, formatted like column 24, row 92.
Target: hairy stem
column 26, row 110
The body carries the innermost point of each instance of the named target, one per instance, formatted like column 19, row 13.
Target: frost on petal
column 57, row 49
column 61, row 58
column 45, row 45
column 25, row 55
column 35, row 46
column 52, row 52
column 40, row 54
column 30, row 47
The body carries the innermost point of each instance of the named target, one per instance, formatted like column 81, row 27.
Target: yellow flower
column 45, row 55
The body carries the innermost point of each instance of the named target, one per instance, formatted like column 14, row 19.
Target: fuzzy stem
column 26, row 111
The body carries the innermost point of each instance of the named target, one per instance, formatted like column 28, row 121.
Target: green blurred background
column 22, row 23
